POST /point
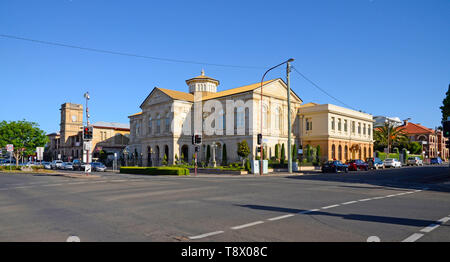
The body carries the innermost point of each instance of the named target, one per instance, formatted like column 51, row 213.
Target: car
column 374, row 163
column 414, row 161
column 357, row 164
column 334, row 166
column 78, row 165
column 47, row 165
column 67, row 166
column 392, row 162
column 97, row 166
column 436, row 160
column 56, row 164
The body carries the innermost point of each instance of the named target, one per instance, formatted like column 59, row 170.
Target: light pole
column 289, row 114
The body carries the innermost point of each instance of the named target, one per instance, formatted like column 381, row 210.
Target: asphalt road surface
column 407, row 204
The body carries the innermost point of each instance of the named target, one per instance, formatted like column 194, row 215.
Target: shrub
column 283, row 154
column 179, row 171
column 247, row 165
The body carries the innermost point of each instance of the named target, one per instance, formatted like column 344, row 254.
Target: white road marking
column 350, row 202
column 308, row 211
column 390, row 196
column 365, row 199
column 380, row 197
column 444, row 220
column 414, row 237
column 430, row 228
column 280, row 217
column 327, row 207
column 247, row 225
column 206, row 235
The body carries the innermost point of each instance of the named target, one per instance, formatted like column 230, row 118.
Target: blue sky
column 381, row 56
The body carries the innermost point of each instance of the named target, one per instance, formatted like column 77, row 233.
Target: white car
column 47, row 165
column 56, row 164
column 414, row 161
column 67, row 166
column 392, row 162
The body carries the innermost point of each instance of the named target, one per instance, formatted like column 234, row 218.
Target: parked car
column 67, row 166
column 357, row 164
column 78, row 165
column 375, row 163
column 414, row 161
column 392, row 162
column 436, row 160
column 56, row 164
column 334, row 166
column 47, row 165
column 97, row 166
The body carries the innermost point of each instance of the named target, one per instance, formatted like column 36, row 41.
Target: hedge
column 178, row 171
column 382, row 156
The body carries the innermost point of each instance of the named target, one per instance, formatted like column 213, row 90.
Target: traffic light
column 259, row 139
column 87, row 132
column 446, row 125
column 196, row 139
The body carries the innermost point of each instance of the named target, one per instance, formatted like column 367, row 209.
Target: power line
column 126, row 54
column 325, row 92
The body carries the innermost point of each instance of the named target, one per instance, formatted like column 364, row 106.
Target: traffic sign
column 9, row 147
column 40, row 153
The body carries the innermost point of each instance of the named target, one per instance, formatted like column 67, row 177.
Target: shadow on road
column 408, row 178
column 358, row 217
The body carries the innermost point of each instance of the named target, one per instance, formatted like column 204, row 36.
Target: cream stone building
column 168, row 118
column 67, row 144
column 341, row 133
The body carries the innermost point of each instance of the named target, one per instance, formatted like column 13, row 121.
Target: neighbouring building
column 432, row 141
column 380, row 121
column 342, row 134
column 67, row 144
column 165, row 126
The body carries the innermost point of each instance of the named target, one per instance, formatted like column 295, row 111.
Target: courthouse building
column 67, row 144
column 165, row 126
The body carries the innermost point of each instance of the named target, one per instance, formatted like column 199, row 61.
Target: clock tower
column 71, row 122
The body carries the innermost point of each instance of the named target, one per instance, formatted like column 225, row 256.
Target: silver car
column 56, row 164
column 392, row 162
column 67, row 166
column 414, row 161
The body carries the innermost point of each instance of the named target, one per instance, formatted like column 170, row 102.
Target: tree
column 414, row 147
column 283, row 154
column 208, row 153
column 243, row 150
column 445, row 108
column 224, row 155
column 277, row 149
column 388, row 134
column 308, row 153
column 318, row 153
column 24, row 135
column 294, row 153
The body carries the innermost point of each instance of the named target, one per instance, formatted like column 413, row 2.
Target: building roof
column 111, row 125
column 203, row 77
column 411, row 128
column 309, row 104
column 178, row 95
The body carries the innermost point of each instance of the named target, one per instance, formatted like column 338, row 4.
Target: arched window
column 138, row 128
column 340, row 152
column 265, row 118
column 365, row 153
column 240, row 117
column 346, row 153
column 221, row 124
column 278, row 118
column 333, row 152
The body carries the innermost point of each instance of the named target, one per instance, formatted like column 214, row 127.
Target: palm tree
column 389, row 135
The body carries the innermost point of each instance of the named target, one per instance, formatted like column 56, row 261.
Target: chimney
column 405, row 122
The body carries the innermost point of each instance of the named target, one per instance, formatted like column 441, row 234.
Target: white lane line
column 350, row 202
column 414, row 237
column 53, row 185
column 308, row 211
column 206, row 235
column 390, row 196
column 327, row 207
column 430, row 228
column 247, row 225
column 365, row 199
column 409, row 192
column 280, row 217
column 19, row 187
column 380, row 197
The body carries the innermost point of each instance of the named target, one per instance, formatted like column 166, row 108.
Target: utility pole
column 288, row 70
column 88, row 149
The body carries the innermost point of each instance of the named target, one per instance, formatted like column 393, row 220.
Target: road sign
column 9, row 147
column 40, row 153
column 87, row 168
column 87, row 145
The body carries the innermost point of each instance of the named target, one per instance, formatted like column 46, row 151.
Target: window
column 340, row 152
column 368, row 130
column 264, row 117
column 345, row 125
column 359, row 128
column 150, row 127
column 278, row 118
column 167, row 128
column 364, row 129
column 339, row 125
column 333, row 152
column 353, row 126
column 240, row 118
column 332, row 123
column 138, row 128
column 308, row 124
column 158, row 124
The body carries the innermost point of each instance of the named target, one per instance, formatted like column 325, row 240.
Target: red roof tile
column 411, row 128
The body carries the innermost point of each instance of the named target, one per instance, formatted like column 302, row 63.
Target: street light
column 288, row 69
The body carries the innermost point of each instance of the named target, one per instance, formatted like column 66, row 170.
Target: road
column 394, row 205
